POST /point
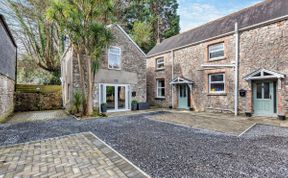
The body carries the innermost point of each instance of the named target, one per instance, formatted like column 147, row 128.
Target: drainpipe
column 236, row 68
column 172, row 77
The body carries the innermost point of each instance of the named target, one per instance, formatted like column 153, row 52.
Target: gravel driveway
column 167, row 150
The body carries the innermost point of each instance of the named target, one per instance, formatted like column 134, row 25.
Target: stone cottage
column 238, row 63
column 120, row 79
column 8, row 59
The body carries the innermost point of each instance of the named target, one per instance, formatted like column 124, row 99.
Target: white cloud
column 195, row 14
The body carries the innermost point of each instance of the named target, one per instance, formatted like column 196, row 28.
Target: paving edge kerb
column 249, row 128
column 136, row 167
column 82, row 133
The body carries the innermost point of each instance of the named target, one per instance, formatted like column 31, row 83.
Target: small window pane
column 215, row 78
column 216, row 54
column 266, row 91
column 257, row 75
column 160, row 83
column 216, row 47
column 161, row 92
column 259, row 90
column 115, row 50
column 217, row 87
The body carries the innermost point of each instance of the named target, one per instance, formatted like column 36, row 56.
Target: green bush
column 134, row 102
column 77, row 101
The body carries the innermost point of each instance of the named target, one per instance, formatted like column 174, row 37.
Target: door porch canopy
column 263, row 74
column 181, row 80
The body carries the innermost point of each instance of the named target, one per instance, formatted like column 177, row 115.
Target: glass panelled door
column 183, row 96
column 110, row 97
column 121, row 92
column 263, row 98
column 116, row 97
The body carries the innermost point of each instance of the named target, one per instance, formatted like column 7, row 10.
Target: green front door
column 183, row 96
column 263, row 98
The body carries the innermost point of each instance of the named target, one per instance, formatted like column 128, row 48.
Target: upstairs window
column 216, row 51
column 216, row 83
column 114, row 58
column 160, row 63
column 160, row 88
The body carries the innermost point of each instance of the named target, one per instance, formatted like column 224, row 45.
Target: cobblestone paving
column 36, row 116
column 79, row 155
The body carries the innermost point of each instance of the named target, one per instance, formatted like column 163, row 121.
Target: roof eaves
column 2, row 18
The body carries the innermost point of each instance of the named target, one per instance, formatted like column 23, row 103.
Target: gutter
column 236, row 69
column 172, row 77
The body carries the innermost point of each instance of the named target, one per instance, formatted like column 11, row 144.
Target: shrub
column 78, row 100
column 134, row 102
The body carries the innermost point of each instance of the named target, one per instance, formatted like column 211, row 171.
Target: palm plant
column 82, row 21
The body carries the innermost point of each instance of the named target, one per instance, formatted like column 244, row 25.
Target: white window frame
column 120, row 66
column 158, row 63
column 216, row 82
column 216, row 58
column 157, row 88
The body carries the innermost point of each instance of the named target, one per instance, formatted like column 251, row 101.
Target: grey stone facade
column 132, row 73
column 260, row 47
column 6, row 96
column 7, row 69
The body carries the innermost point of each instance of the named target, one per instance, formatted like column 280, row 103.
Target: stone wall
column 6, row 96
column 263, row 47
column 38, row 101
column 133, row 69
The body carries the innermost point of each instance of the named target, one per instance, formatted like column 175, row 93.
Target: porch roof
column 262, row 74
column 181, row 80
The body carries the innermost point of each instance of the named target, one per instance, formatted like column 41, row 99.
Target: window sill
column 158, row 98
column 159, row 69
column 216, row 59
column 114, row 69
column 217, row 94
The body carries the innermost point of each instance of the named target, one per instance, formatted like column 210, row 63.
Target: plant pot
column 142, row 106
column 282, row 117
column 248, row 114
column 133, row 107
column 103, row 108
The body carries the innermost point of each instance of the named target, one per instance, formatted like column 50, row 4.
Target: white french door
column 116, row 96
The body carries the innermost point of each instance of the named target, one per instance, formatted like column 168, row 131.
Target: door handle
column 270, row 97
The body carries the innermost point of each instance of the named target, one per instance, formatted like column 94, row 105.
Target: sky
column 197, row 12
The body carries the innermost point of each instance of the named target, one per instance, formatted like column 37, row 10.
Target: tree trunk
column 81, row 76
column 90, row 88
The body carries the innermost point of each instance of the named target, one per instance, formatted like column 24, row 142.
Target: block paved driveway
column 77, row 155
column 166, row 150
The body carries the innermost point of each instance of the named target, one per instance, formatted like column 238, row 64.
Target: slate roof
column 2, row 20
column 261, row 12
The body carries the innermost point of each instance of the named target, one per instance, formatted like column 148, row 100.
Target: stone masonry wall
column 6, row 96
column 133, row 63
column 267, row 48
column 264, row 47
column 38, row 101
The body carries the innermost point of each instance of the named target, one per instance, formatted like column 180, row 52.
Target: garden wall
column 37, row 98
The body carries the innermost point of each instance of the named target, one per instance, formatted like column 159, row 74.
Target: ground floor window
column 160, row 88
column 217, row 83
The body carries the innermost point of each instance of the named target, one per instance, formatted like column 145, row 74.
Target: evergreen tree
column 161, row 16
